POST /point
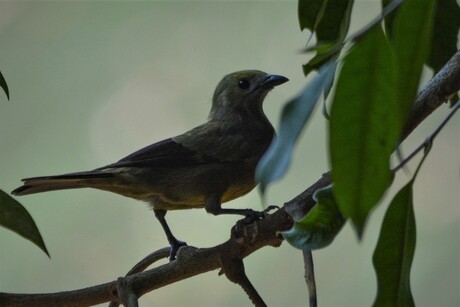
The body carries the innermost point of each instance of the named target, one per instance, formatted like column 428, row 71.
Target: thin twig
column 310, row 277
column 149, row 260
column 429, row 139
column 140, row 267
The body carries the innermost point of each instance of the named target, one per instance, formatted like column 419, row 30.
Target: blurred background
column 91, row 82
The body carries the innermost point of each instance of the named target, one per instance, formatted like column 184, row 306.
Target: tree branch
column 192, row 261
column 443, row 85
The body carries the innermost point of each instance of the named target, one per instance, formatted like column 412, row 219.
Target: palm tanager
column 204, row 167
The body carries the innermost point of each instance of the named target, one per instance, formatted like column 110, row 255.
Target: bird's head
column 242, row 93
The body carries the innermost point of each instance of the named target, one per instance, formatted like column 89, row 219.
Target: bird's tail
column 61, row 182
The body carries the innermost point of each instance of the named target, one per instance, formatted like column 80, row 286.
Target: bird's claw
column 270, row 208
column 253, row 215
column 175, row 246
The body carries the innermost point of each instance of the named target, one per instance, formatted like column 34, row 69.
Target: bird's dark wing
column 212, row 142
column 166, row 153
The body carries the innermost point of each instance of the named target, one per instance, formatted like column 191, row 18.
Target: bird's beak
column 274, row 80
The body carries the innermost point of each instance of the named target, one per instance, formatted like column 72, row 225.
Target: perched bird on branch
column 204, row 167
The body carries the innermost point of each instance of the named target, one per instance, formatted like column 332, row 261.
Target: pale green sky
column 91, row 82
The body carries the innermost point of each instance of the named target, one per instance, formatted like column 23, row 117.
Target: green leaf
column 330, row 21
column 389, row 7
column 395, row 250
column 446, row 25
column 324, row 53
column 445, row 32
column 310, row 13
column 294, row 116
column 362, row 135
column 4, row 86
column 320, row 226
column 412, row 42
column 389, row 20
column 16, row 218
column 335, row 21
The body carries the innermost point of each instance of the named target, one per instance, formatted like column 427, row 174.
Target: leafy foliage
column 320, row 226
column 446, row 27
column 324, row 53
column 407, row 37
column 12, row 214
column 445, row 31
column 373, row 98
column 329, row 21
column 294, row 116
column 16, row 218
column 4, row 86
column 310, row 13
column 395, row 251
column 362, row 136
column 396, row 245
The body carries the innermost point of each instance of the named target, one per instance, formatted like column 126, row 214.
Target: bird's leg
column 213, row 206
column 175, row 244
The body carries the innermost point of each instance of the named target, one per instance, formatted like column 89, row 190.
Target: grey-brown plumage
column 204, row 167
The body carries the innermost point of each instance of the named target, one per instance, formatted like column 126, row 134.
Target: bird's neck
column 237, row 114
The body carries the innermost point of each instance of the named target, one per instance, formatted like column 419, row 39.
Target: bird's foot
column 247, row 229
column 175, row 246
column 270, row 208
column 253, row 215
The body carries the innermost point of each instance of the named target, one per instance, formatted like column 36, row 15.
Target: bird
column 204, row 167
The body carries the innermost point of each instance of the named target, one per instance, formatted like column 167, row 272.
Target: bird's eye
column 243, row 84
